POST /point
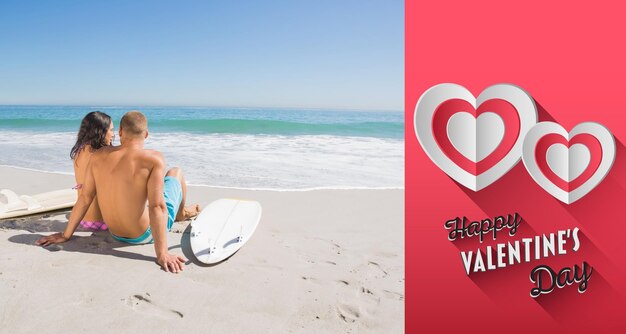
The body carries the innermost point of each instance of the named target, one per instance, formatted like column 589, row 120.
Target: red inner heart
column 504, row 109
column 592, row 144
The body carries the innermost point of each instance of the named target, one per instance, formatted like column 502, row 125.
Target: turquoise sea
column 260, row 148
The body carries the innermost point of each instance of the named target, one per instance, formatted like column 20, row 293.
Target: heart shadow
column 597, row 214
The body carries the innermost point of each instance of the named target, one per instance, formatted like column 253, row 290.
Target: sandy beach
column 321, row 261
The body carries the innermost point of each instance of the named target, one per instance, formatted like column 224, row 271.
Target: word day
column 546, row 279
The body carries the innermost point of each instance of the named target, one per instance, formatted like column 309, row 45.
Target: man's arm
column 158, row 218
column 83, row 202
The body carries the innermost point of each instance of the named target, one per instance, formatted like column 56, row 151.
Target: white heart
column 475, row 138
column 434, row 96
column 566, row 163
column 574, row 167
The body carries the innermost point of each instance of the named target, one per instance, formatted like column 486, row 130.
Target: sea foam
column 239, row 160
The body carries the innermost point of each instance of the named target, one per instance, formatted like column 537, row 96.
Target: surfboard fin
column 15, row 202
column 30, row 202
column 211, row 248
column 240, row 237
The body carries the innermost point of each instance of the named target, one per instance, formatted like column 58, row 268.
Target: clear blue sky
column 298, row 53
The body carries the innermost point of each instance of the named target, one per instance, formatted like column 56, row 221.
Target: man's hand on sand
column 56, row 238
column 171, row 263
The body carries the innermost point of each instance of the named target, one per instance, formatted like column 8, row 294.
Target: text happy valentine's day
column 544, row 278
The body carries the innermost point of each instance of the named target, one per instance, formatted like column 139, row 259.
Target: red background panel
column 571, row 58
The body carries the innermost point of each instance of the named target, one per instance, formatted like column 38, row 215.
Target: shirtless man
column 124, row 177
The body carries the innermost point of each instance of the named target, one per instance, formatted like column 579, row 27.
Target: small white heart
column 475, row 138
column 568, row 164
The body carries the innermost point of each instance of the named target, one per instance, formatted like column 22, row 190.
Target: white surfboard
column 222, row 228
column 18, row 206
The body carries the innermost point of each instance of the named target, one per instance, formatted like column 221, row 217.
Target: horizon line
column 197, row 106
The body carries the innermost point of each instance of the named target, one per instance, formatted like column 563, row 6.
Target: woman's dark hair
column 93, row 130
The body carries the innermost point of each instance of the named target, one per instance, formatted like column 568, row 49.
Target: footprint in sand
column 335, row 247
column 360, row 303
column 376, row 265
column 393, row 295
column 145, row 305
column 368, row 294
column 348, row 313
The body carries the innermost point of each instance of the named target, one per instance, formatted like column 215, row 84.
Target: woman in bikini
column 96, row 131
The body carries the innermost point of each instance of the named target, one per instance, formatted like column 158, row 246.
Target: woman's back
column 93, row 215
column 95, row 132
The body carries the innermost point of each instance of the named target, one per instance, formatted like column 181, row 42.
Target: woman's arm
column 85, row 198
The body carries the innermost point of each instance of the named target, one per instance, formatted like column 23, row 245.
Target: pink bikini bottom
column 98, row 226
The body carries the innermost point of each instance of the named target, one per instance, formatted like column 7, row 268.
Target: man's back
column 121, row 177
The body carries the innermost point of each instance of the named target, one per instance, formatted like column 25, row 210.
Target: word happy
column 462, row 228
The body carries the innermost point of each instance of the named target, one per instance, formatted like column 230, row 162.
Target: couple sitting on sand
column 124, row 177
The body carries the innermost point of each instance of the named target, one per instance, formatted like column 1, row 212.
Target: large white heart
column 569, row 164
column 478, row 144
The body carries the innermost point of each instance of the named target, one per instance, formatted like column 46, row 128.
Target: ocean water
column 254, row 148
